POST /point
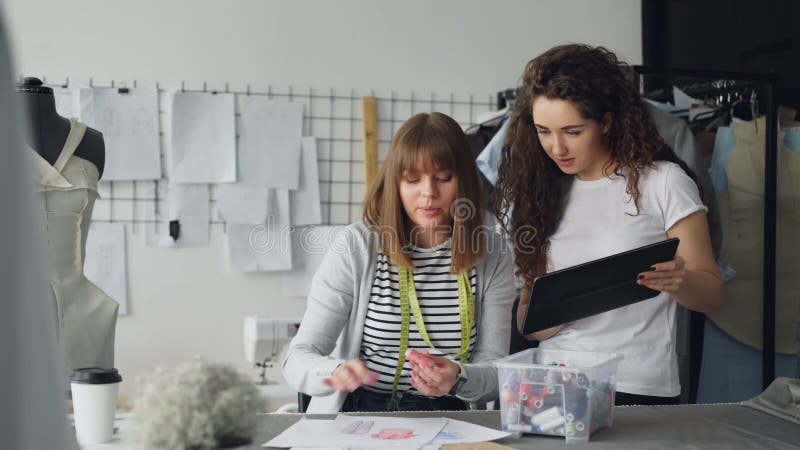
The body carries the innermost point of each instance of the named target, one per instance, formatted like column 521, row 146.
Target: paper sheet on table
column 265, row 247
column 414, row 447
column 360, row 432
column 460, row 432
column 476, row 446
column 305, row 201
column 203, row 132
column 270, row 134
column 105, row 261
column 309, row 245
column 129, row 123
column 68, row 99
column 242, row 204
column 296, row 432
column 186, row 203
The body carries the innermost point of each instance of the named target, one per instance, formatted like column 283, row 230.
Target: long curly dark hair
column 531, row 191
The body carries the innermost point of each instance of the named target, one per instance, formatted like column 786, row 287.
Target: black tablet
column 593, row 287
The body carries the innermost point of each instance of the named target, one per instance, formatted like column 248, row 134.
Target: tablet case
column 594, row 287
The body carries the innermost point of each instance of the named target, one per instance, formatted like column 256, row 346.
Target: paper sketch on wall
column 105, row 263
column 203, row 138
column 179, row 217
column 309, row 246
column 269, row 145
column 68, row 98
column 128, row 119
column 237, row 203
column 305, row 201
column 263, row 247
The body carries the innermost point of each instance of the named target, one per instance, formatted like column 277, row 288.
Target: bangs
column 425, row 151
column 427, row 143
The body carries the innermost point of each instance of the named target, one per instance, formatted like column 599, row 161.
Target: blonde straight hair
column 428, row 142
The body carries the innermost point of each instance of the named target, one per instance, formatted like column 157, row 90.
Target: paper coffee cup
column 94, row 399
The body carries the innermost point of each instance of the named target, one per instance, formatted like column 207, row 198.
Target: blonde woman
column 420, row 276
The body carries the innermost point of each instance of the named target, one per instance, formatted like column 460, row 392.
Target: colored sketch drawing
column 389, row 433
column 394, row 433
column 448, row 435
column 358, row 427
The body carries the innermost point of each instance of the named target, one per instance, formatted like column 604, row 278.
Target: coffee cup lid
column 95, row 375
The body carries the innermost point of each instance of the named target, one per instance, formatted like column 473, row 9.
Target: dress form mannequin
column 66, row 158
column 47, row 130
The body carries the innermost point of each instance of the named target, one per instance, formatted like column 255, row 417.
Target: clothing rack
column 768, row 82
column 702, row 90
column 505, row 97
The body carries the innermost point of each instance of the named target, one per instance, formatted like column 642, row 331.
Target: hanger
column 506, row 98
column 742, row 102
column 752, row 105
column 490, row 116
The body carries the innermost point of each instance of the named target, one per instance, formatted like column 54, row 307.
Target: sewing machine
column 264, row 340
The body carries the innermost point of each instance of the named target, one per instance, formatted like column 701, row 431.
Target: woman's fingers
column 669, row 283
column 345, row 380
column 432, row 377
column 361, row 373
column 423, row 387
column 667, row 276
column 350, row 376
column 675, row 264
column 437, row 379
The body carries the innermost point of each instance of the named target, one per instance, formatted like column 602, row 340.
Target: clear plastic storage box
column 557, row 392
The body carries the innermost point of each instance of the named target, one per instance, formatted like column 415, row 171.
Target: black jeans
column 364, row 400
column 622, row 398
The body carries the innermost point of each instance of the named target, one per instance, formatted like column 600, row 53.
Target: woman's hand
column 522, row 308
column 665, row 277
column 434, row 380
column 351, row 375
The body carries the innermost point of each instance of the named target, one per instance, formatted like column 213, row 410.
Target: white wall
column 185, row 302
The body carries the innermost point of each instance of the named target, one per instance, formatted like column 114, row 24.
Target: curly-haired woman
column 584, row 175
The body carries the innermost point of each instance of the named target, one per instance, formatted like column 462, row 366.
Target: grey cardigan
column 332, row 327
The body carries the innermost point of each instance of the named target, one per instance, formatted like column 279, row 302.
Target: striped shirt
column 437, row 291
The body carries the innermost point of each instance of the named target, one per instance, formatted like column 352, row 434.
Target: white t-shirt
column 600, row 220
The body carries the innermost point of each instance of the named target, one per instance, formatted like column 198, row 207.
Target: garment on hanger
column 489, row 159
column 722, row 381
column 738, row 174
column 480, row 134
column 87, row 316
column 677, row 134
column 481, row 137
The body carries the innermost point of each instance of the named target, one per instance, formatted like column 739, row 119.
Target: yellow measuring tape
column 409, row 301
